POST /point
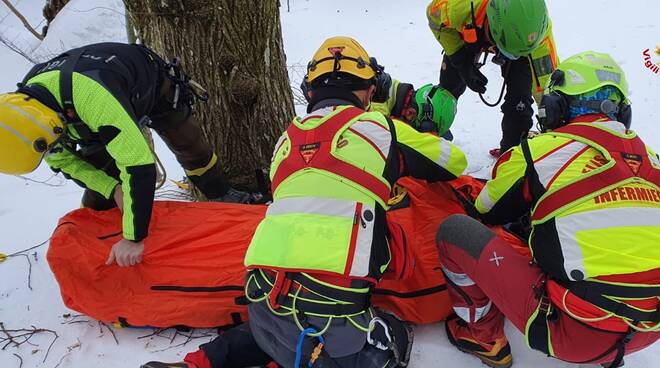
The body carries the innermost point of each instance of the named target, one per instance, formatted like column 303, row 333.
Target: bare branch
column 20, row 16
column 103, row 324
column 11, row 46
column 23, row 336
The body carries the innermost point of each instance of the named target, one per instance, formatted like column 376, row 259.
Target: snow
column 398, row 36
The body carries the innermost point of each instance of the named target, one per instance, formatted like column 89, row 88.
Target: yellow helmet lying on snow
column 343, row 55
column 27, row 130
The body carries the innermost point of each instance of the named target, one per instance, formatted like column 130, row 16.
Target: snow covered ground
column 394, row 31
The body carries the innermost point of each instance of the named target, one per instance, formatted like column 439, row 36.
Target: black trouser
column 517, row 107
column 235, row 348
column 180, row 130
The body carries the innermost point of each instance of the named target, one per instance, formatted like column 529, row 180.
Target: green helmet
column 589, row 71
column 436, row 109
column 586, row 83
column 517, row 26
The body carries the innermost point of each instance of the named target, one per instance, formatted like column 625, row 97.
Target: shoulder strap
column 66, row 83
column 536, row 189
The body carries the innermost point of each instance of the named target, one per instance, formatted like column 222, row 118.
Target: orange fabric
column 200, row 247
column 190, row 245
column 423, row 298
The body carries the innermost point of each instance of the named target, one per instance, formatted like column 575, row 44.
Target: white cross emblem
column 496, row 259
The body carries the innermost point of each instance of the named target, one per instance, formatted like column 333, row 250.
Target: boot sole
column 484, row 360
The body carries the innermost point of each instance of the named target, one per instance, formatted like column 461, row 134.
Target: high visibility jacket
column 400, row 95
column 593, row 190
column 448, row 20
column 332, row 173
column 113, row 85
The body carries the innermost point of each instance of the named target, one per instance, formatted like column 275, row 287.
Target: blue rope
column 301, row 338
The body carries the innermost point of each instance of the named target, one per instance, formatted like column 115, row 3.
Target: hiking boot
column 167, row 365
column 496, row 354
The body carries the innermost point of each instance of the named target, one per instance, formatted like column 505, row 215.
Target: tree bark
column 50, row 11
column 233, row 48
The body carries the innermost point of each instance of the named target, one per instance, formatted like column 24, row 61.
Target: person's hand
column 118, row 196
column 464, row 61
column 474, row 79
column 126, row 253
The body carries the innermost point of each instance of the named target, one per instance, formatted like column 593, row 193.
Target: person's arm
column 505, row 197
column 386, row 107
column 80, row 171
column 118, row 131
column 446, row 20
column 543, row 61
column 427, row 156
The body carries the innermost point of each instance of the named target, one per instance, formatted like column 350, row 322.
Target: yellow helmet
column 27, row 130
column 341, row 54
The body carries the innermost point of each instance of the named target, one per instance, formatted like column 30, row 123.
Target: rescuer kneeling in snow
column 84, row 111
column 324, row 241
column 592, row 188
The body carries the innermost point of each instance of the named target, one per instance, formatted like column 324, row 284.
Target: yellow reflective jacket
column 323, row 222
column 614, row 232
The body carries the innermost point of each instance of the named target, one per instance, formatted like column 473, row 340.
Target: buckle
column 372, row 328
column 544, row 304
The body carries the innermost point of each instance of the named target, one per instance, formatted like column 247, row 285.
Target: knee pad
column 466, row 233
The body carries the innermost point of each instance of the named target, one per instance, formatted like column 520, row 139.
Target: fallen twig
column 22, row 336
column 101, row 324
column 20, row 365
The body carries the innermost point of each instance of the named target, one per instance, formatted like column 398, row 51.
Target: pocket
column 402, row 260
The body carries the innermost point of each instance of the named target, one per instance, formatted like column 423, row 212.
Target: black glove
column 463, row 61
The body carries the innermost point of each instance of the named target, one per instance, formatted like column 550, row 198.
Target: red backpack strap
column 306, row 144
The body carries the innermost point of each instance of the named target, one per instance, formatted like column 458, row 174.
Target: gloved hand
column 463, row 61
column 126, row 253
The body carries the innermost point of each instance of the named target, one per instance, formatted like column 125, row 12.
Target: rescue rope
column 301, row 338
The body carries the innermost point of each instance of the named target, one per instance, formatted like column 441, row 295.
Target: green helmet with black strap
column 436, row 109
column 517, row 26
column 584, row 82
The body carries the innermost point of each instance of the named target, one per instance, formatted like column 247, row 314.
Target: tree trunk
column 233, row 48
column 50, row 11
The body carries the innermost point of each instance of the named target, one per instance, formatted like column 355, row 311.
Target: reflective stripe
column 278, row 145
column 655, row 161
column 29, row 116
column 322, row 111
column 484, row 197
column 445, row 153
column 464, row 312
column 543, row 66
column 611, row 125
column 362, row 255
column 378, row 135
column 460, row 279
column 549, row 166
column 569, row 226
column 312, row 206
column 16, row 133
